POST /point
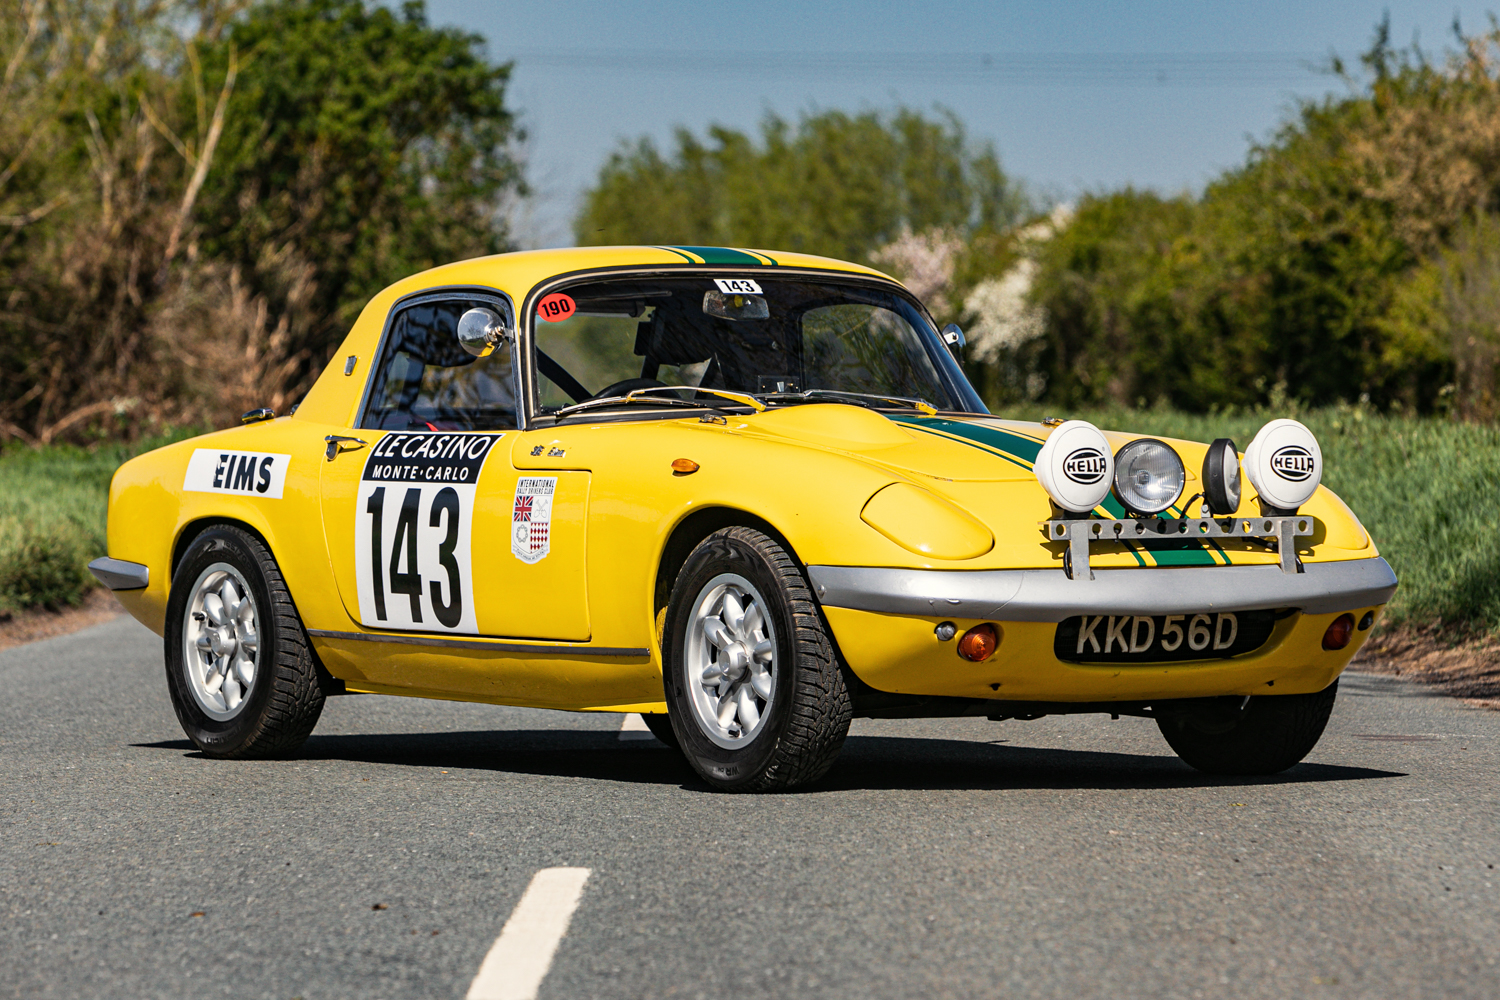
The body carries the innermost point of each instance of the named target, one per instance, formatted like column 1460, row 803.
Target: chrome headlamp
column 1148, row 476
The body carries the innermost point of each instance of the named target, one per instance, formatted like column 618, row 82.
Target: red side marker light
column 979, row 643
column 1339, row 633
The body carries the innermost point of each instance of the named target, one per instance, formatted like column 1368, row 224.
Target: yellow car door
column 531, row 533
column 399, row 517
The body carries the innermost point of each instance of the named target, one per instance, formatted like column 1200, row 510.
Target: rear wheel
column 242, row 678
column 1268, row 735
column 756, row 698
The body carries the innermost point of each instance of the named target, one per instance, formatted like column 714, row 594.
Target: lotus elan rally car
column 747, row 494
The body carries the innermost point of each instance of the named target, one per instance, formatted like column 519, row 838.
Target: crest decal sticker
column 531, row 518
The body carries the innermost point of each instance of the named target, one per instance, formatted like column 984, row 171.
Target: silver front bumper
column 1047, row 595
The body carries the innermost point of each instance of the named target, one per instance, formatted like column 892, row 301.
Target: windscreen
column 775, row 338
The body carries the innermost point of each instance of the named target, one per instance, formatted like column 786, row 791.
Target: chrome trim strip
column 1047, row 595
column 484, row 644
column 117, row 574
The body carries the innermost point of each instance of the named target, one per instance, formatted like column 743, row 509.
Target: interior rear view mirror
column 733, row 306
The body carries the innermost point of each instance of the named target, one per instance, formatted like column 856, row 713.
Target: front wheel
column 756, row 698
column 661, row 727
column 1270, row 734
column 242, row 678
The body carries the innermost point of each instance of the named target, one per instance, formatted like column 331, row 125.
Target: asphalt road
column 1069, row 857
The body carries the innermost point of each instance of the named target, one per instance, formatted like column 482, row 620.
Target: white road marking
column 634, row 728
column 520, row 957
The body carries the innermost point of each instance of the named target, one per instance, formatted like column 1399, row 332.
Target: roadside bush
column 44, row 568
column 53, row 503
column 1352, row 256
column 197, row 197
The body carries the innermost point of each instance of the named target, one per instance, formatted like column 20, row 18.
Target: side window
column 426, row 381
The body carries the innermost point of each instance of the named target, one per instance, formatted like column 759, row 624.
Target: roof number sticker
column 738, row 286
column 531, row 518
column 556, row 307
column 414, row 513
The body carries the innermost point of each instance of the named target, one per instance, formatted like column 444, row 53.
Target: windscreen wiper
column 642, row 396
column 921, row 405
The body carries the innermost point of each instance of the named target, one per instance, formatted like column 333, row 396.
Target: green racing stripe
column 1005, row 444
column 725, row 255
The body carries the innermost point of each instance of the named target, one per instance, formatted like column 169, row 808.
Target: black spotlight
column 1221, row 478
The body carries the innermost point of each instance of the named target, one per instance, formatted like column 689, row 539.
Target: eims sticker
column 531, row 518
column 413, row 519
column 240, row 473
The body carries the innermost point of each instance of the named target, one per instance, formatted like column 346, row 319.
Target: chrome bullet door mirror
column 480, row 331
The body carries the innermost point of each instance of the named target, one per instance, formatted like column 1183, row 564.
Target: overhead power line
column 1054, row 69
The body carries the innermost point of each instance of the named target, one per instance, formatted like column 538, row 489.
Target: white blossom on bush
column 1003, row 319
column 924, row 262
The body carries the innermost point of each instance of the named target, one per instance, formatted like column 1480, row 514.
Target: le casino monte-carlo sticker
column 414, row 516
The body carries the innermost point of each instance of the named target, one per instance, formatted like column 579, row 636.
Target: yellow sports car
column 747, row 494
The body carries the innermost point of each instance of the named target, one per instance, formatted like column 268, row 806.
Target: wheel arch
column 192, row 529
column 697, row 526
column 691, row 530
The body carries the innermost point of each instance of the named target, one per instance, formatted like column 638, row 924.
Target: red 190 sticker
column 555, row 308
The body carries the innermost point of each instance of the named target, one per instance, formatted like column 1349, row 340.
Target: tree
column 196, row 196
column 1349, row 258
column 92, row 196
column 363, row 145
column 835, row 184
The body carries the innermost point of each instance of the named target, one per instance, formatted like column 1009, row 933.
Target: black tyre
column 660, row 725
column 756, row 698
column 242, row 677
column 1269, row 735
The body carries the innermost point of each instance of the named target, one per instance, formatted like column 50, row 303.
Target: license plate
column 1162, row 638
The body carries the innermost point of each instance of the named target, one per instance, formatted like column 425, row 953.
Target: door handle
column 338, row 444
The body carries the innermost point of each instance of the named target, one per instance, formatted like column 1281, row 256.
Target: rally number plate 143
column 1162, row 638
column 414, row 515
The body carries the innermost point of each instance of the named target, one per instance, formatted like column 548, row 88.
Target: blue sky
column 1075, row 96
